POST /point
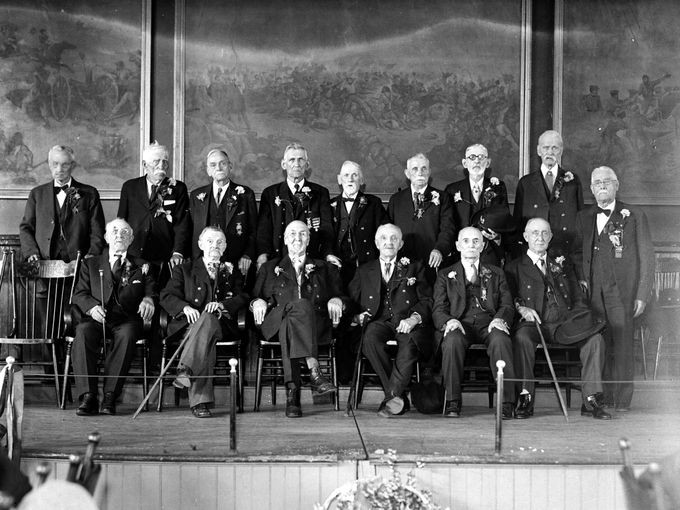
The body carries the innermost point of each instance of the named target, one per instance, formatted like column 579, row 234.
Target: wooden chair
column 270, row 365
column 39, row 292
column 233, row 345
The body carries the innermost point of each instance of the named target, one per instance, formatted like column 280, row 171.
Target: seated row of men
column 298, row 299
column 610, row 248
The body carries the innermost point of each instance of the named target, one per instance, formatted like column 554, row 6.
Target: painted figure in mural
column 298, row 298
column 614, row 259
column 552, row 193
column 129, row 293
column 230, row 207
column 157, row 207
column 472, row 304
column 547, row 294
column 63, row 216
column 424, row 215
column 394, row 298
column 206, row 294
column 296, row 198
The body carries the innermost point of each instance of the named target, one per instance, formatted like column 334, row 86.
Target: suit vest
column 601, row 267
column 58, row 244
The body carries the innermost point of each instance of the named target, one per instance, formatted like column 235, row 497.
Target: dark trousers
column 395, row 379
column 87, row 348
column 591, row 353
column 619, row 365
column 199, row 355
column 454, row 346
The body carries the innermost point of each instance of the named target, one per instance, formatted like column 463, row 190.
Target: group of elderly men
column 428, row 272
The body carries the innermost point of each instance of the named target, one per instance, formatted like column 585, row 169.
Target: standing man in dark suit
column 425, row 216
column 129, row 291
column 394, row 296
column 615, row 259
column 356, row 217
column 478, row 190
column 63, row 216
column 552, row 193
column 547, row 293
column 296, row 198
column 157, row 208
column 297, row 300
column 472, row 304
column 207, row 295
column 228, row 206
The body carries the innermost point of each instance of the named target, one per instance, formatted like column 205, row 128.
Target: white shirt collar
column 69, row 183
column 291, row 185
column 610, row 207
column 479, row 183
column 535, row 256
column 467, row 263
column 423, row 190
column 215, row 187
column 544, row 170
column 112, row 257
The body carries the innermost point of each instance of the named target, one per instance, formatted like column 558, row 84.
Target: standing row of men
column 166, row 222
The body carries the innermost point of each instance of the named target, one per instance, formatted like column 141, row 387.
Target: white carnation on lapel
column 277, row 270
column 240, row 190
column 277, row 201
column 495, row 181
column 201, row 196
column 568, row 177
column 452, row 275
column 457, row 197
column 435, row 197
column 625, row 213
column 404, row 261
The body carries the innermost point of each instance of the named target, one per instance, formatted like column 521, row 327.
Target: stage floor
column 324, row 435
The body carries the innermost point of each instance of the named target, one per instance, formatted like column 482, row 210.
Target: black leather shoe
column 109, row 404
column 321, row 385
column 508, row 411
column 596, row 409
column 525, row 406
column 293, row 407
column 183, row 378
column 89, row 405
column 452, row 408
column 201, row 411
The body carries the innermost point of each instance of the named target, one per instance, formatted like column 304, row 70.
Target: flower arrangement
column 614, row 229
column 382, row 492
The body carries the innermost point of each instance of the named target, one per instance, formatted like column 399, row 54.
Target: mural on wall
column 70, row 73
column 374, row 82
column 621, row 94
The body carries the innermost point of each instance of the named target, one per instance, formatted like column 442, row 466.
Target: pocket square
column 136, row 281
column 168, row 202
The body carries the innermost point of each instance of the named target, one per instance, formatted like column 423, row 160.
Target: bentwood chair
column 40, row 292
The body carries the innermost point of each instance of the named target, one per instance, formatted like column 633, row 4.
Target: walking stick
column 500, row 364
column 163, row 372
column 552, row 372
column 101, row 296
column 352, row 388
column 234, row 397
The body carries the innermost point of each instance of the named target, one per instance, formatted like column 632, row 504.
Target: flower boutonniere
column 240, row 190
column 568, row 177
column 452, row 275
column 362, row 200
column 457, row 197
column 404, row 261
column 165, row 189
column 278, row 270
column 484, row 277
column 334, row 204
column 559, row 183
column 145, row 269
column 495, row 181
column 434, row 197
column 73, row 197
column 277, row 201
column 226, row 268
column 625, row 213
column 491, row 191
column 201, row 196
column 411, row 280
column 306, row 190
column 125, row 276
column 557, row 267
column 309, row 269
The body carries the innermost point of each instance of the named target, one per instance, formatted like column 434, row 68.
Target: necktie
column 476, row 191
column 541, row 265
column 386, row 273
column 606, row 212
column 115, row 269
column 296, row 188
column 473, row 274
column 550, row 180
column 154, row 190
column 212, row 269
column 219, row 195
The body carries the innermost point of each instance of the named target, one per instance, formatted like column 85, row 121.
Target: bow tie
column 347, row 199
column 606, row 212
column 63, row 188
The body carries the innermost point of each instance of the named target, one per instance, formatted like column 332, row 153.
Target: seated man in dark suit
column 129, row 292
column 472, row 304
column 206, row 295
column 395, row 297
column 298, row 299
column 546, row 293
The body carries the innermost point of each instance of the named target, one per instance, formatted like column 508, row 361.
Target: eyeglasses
column 536, row 234
column 122, row 231
column 476, row 157
column 157, row 163
column 606, row 182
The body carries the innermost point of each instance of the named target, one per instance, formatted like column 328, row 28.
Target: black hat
column 496, row 218
column 579, row 325
column 428, row 396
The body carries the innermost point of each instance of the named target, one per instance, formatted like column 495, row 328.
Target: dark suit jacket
column 156, row 238
column 366, row 216
column 528, row 286
column 634, row 271
column 449, row 295
column 558, row 208
column 83, row 230
column 421, row 235
column 463, row 209
column 241, row 220
column 136, row 283
column 277, row 285
column 407, row 291
column 190, row 285
column 272, row 219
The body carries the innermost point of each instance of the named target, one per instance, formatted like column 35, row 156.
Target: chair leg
column 240, row 381
column 178, row 394
column 490, row 391
column 67, row 365
column 417, row 371
column 334, row 377
column 258, row 379
column 55, row 367
column 272, row 385
column 567, row 390
column 164, row 352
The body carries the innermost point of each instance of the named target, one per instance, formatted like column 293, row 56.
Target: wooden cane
column 552, row 372
column 101, row 296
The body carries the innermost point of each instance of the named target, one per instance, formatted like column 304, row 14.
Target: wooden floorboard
column 324, row 435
